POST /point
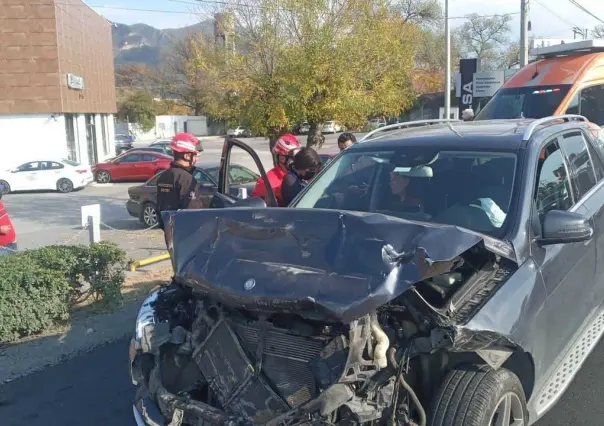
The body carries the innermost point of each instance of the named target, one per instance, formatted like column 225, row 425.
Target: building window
column 72, row 152
column 91, row 139
column 104, row 133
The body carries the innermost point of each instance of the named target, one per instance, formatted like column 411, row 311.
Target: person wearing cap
column 282, row 150
column 176, row 187
column 8, row 236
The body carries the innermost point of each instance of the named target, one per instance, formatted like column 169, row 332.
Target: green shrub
column 38, row 287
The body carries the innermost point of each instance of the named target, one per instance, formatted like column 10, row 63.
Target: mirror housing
column 562, row 227
column 254, row 202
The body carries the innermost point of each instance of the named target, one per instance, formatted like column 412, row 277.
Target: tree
column 138, row 108
column 483, row 37
column 598, row 31
column 425, row 13
column 510, row 56
column 340, row 60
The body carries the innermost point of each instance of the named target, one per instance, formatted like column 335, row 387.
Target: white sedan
column 57, row 175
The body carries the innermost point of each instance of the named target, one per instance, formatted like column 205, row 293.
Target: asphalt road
column 94, row 390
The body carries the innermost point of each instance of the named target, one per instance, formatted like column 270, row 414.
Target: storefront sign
column 486, row 83
column 75, row 82
column 467, row 68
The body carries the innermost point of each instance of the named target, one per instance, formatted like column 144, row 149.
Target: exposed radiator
column 285, row 362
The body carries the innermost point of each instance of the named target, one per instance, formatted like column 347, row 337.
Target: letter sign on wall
column 75, row 82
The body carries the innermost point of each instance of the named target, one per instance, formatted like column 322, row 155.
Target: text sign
column 467, row 68
column 486, row 83
column 75, row 82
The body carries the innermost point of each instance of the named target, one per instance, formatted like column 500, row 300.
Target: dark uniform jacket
column 177, row 189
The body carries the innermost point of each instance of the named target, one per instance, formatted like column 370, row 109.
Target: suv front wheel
column 479, row 396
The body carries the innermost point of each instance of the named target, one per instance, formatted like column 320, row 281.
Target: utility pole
column 448, row 63
column 524, row 32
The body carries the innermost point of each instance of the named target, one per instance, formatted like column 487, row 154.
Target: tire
column 103, row 176
column 64, row 186
column 149, row 214
column 4, row 187
column 476, row 395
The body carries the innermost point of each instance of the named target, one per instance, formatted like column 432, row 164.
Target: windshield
column 462, row 188
column 524, row 102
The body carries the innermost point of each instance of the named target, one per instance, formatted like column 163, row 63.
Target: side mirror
column 254, row 202
column 562, row 227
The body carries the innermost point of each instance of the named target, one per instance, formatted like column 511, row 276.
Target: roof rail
column 407, row 124
column 545, row 120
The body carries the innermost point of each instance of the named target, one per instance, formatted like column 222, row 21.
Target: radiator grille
column 286, row 358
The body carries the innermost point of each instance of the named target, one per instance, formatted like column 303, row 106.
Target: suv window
column 553, row 184
column 583, row 177
column 148, row 157
column 201, row 177
column 240, row 175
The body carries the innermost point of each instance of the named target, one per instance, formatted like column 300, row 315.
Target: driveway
column 94, row 390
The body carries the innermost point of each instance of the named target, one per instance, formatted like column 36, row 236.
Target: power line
column 571, row 25
column 575, row 3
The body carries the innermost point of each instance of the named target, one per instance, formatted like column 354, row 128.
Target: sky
column 549, row 18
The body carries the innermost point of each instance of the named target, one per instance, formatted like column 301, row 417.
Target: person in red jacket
column 284, row 145
column 8, row 236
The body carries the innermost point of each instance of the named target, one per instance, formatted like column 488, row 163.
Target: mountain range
column 147, row 45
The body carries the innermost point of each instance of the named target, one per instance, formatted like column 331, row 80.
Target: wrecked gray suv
column 446, row 275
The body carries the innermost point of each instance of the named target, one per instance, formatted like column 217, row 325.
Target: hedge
column 39, row 287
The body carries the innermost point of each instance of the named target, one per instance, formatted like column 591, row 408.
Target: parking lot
column 44, row 218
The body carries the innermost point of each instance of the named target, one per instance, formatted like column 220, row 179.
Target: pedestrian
column 346, row 140
column 305, row 166
column 275, row 176
column 8, row 236
column 177, row 189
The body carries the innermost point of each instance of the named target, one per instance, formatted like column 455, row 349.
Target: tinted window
column 213, row 172
column 468, row 189
column 50, row 165
column 592, row 104
column 524, row 102
column 28, row 167
column 583, row 177
column 240, row 175
column 553, row 185
column 597, row 161
column 132, row 158
column 148, row 157
column 201, row 177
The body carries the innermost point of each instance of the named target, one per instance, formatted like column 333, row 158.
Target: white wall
column 41, row 133
column 167, row 126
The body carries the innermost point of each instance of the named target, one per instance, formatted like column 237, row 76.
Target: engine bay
column 219, row 363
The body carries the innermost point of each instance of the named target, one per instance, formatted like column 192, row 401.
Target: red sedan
column 132, row 165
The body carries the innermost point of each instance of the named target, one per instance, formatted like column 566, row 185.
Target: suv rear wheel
column 479, row 396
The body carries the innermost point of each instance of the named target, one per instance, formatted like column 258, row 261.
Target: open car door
column 223, row 197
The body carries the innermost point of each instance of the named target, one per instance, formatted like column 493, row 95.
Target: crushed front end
column 207, row 354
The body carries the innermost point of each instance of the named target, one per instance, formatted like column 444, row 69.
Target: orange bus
column 565, row 79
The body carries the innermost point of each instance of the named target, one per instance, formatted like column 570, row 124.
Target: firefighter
column 176, row 187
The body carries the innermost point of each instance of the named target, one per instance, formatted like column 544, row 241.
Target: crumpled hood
column 323, row 264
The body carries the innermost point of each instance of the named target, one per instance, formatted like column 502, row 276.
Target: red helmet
column 184, row 143
column 285, row 144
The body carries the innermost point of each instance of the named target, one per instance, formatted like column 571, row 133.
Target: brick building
column 57, row 84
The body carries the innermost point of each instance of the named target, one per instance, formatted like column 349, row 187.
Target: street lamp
column 447, row 63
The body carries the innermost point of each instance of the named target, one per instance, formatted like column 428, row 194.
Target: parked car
column 331, row 127
column 142, row 200
column 376, row 123
column 304, row 128
column 132, row 165
column 46, row 174
column 165, row 144
column 458, row 261
column 239, row 131
column 123, row 143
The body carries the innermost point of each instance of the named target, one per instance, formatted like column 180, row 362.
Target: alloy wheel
column 509, row 411
column 4, row 187
column 149, row 215
column 103, row 177
column 64, row 186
